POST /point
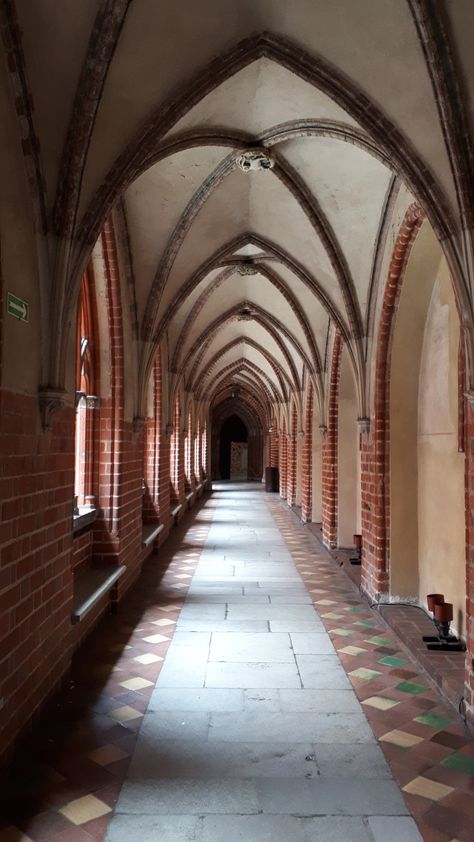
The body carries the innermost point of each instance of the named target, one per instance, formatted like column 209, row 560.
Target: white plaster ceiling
column 312, row 224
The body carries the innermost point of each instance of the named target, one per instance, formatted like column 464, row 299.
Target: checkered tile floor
column 424, row 740
column 66, row 777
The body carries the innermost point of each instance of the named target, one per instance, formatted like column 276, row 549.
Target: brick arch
column 283, row 456
column 306, row 462
column 251, row 398
column 329, row 501
column 283, row 379
column 238, row 366
column 375, row 502
column 177, row 483
column 292, row 452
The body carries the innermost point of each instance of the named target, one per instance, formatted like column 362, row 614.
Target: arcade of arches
column 232, row 238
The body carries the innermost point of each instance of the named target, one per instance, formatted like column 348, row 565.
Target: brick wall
column 329, row 472
column 283, row 460
column 37, row 487
column 306, row 462
column 82, row 546
column 274, row 454
column 291, row 469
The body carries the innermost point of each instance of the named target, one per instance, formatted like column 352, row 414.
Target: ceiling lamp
column 255, row 160
column 247, row 268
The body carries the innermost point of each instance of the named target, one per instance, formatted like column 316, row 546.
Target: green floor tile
column 433, row 720
column 460, row 763
column 368, row 624
column 343, row 632
column 367, row 675
column 390, row 661
column 410, row 687
column 379, row 641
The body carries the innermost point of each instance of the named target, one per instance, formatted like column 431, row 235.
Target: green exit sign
column 17, row 308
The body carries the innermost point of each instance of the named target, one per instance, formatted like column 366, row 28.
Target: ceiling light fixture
column 255, row 160
column 247, row 268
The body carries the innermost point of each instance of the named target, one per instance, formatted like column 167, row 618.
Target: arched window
column 86, row 396
column 189, row 456
column 175, row 452
column 197, row 454
column 204, row 452
column 151, row 438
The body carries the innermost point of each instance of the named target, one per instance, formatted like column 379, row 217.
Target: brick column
column 292, row 444
column 329, row 503
column 306, row 462
column 274, row 454
column 375, row 447
column 283, row 461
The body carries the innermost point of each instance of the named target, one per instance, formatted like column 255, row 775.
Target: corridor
column 244, row 692
column 253, row 731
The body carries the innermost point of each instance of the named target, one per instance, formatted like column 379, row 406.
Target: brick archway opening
column 223, row 412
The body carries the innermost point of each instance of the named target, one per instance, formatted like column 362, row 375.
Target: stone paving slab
column 178, row 758
column 268, row 725
column 252, row 675
column 330, row 797
column 252, row 648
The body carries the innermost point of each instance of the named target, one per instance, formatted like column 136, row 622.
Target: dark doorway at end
column 233, row 429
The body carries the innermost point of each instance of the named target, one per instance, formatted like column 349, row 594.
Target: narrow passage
column 253, row 731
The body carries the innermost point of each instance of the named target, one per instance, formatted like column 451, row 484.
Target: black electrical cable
column 402, row 604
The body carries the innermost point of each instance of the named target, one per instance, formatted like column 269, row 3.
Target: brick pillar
column 274, row 454
column 197, row 456
column 152, row 432
column 164, row 481
column 189, row 450
column 206, row 473
column 329, row 503
column 306, row 466
column 292, row 444
column 177, row 476
column 375, row 447
column 283, row 461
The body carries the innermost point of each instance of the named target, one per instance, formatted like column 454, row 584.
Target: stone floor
column 283, row 709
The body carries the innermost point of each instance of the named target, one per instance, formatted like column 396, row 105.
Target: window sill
column 150, row 532
column 86, row 516
column 90, row 586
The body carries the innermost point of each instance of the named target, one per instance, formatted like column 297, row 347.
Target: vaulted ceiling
column 154, row 107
